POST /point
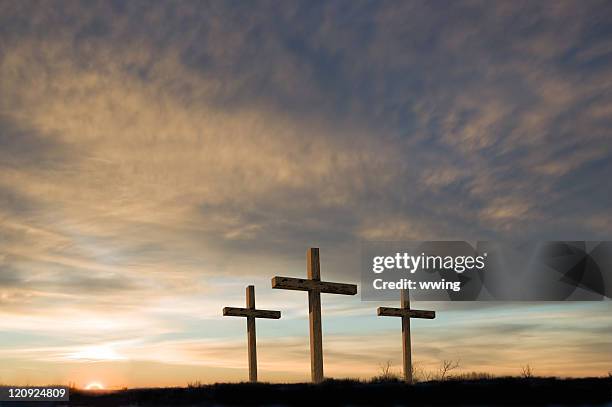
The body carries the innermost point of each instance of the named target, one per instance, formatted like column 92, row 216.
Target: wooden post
column 406, row 348
column 250, row 312
column 406, row 313
column 314, row 312
column 315, row 287
column 252, row 341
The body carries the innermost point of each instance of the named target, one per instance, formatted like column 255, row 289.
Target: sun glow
column 94, row 386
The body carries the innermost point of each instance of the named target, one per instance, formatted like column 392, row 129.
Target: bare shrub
column 526, row 372
column 386, row 374
column 447, row 366
column 419, row 374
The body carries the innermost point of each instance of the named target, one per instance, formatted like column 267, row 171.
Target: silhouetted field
column 497, row 392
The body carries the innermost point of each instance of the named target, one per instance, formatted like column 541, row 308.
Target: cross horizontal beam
column 402, row 312
column 300, row 284
column 247, row 312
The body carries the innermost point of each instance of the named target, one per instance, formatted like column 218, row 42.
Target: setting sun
column 94, row 386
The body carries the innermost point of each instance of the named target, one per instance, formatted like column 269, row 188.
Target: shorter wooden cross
column 251, row 313
column 406, row 313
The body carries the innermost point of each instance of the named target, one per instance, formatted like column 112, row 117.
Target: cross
column 251, row 313
column 406, row 313
column 315, row 287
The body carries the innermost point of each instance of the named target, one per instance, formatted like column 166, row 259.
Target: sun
column 94, row 386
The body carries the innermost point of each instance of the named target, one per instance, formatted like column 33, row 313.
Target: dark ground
column 497, row 392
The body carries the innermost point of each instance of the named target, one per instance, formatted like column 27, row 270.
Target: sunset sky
column 158, row 157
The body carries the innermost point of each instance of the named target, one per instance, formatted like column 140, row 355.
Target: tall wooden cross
column 406, row 313
column 315, row 287
column 251, row 313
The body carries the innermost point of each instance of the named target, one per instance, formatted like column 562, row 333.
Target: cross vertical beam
column 314, row 313
column 407, row 346
column 252, row 341
column 406, row 313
